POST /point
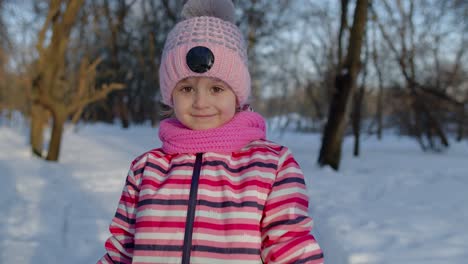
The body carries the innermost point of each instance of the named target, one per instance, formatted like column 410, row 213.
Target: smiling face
column 202, row 103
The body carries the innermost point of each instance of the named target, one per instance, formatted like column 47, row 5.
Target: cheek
column 178, row 107
column 177, row 113
column 230, row 108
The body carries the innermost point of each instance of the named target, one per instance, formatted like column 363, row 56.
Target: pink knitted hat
column 206, row 44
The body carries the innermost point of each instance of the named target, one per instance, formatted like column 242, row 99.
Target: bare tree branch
column 100, row 94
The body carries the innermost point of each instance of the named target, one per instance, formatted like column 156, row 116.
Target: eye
column 217, row 89
column 186, row 89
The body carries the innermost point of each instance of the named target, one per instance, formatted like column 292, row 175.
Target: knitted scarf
column 243, row 128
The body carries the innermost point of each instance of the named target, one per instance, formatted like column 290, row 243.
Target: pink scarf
column 243, row 128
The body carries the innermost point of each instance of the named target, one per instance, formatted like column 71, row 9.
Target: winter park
column 125, row 140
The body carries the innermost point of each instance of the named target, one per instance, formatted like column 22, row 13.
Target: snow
column 394, row 204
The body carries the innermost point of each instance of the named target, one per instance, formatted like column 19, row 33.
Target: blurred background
column 386, row 81
column 86, row 61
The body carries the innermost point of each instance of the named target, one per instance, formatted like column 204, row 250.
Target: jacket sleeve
column 119, row 246
column 286, row 226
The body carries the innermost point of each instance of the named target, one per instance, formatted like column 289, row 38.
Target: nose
column 200, row 99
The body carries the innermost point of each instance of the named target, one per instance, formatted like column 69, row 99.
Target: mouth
column 203, row 115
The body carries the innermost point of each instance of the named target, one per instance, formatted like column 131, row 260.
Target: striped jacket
column 249, row 206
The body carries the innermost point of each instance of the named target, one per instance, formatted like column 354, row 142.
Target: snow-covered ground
column 394, row 204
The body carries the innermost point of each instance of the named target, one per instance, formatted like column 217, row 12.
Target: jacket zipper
column 192, row 203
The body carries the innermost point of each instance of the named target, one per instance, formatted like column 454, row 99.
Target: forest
column 337, row 68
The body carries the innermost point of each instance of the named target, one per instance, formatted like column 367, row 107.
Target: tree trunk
column 330, row 152
column 434, row 127
column 357, row 114
column 375, row 59
column 461, row 124
column 38, row 121
column 122, row 110
column 380, row 111
column 428, row 126
column 56, row 137
column 358, row 102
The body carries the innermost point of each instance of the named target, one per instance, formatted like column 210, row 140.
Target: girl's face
column 202, row 103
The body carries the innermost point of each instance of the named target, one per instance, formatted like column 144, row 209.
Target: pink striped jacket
column 248, row 206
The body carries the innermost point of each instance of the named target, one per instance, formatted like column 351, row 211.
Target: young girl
column 216, row 191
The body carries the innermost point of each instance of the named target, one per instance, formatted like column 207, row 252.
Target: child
column 216, row 191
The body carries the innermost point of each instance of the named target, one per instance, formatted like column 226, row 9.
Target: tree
column 3, row 59
column 378, row 69
column 5, row 43
column 260, row 25
column 345, row 82
column 358, row 102
column 417, row 49
column 117, row 45
column 54, row 89
column 131, row 34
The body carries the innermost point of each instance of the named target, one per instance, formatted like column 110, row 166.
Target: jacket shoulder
column 156, row 153
column 266, row 146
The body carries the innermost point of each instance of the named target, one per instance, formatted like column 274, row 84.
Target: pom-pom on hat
column 206, row 43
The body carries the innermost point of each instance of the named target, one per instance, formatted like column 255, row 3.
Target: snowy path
column 395, row 204
column 59, row 213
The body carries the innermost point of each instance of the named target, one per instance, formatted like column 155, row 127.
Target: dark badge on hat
column 200, row 59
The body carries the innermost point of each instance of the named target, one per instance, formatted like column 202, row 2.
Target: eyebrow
column 184, row 81
column 219, row 81
column 216, row 81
